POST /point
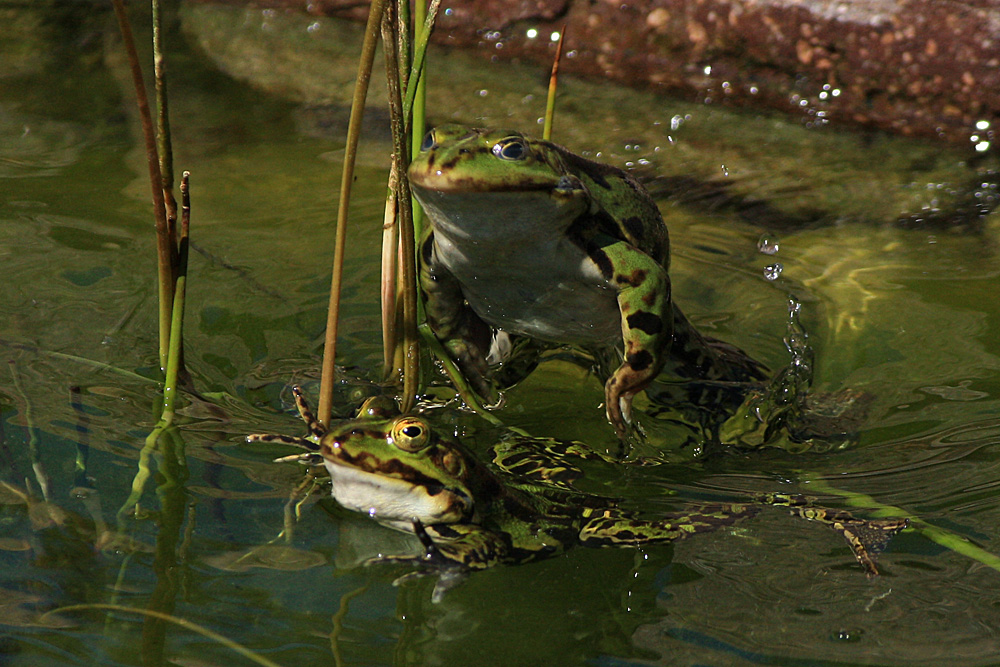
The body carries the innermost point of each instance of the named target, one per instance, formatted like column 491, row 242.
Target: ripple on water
column 793, row 592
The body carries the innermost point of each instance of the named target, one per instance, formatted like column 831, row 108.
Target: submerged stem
column 173, row 362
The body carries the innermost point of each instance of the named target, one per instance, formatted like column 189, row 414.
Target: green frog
column 519, row 504
column 530, row 241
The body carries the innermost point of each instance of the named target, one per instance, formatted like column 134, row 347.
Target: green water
column 908, row 315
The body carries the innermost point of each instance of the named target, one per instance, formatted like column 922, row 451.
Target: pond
column 886, row 243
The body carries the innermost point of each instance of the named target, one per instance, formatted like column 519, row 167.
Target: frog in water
column 541, row 244
column 520, row 504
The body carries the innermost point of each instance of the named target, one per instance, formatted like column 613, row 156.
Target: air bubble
column 767, row 244
column 773, row 271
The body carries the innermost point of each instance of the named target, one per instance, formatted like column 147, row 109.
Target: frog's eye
column 410, row 434
column 512, row 148
column 428, row 142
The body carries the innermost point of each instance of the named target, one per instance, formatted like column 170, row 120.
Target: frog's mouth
column 396, row 494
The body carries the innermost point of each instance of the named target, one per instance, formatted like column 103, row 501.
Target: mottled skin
column 519, row 506
column 541, row 244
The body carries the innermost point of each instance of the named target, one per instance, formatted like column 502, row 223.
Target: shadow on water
column 905, row 312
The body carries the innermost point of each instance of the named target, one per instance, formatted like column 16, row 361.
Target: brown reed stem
column 164, row 246
column 325, row 409
column 550, row 102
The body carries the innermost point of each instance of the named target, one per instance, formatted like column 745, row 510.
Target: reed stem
column 325, row 408
column 400, row 160
column 164, row 245
column 550, row 102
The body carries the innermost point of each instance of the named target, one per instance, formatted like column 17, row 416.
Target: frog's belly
column 549, row 291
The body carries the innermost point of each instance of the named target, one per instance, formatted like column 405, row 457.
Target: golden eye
column 410, row 434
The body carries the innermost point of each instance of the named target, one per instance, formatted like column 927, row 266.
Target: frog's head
column 471, row 173
column 396, row 469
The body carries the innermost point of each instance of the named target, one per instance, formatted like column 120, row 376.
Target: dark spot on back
column 634, row 226
column 635, row 278
column 640, row 361
column 603, row 262
column 603, row 221
column 646, row 322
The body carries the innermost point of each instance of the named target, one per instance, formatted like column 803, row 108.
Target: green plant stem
column 99, row 365
column 163, row 141
column 468, row 396
column 375, row 12
column 407, row 266
column 419, row 53
column 173, row 366
column 173, row 498
column 164, row 246
column 80, row 478
column 184, row 623
column 33, row 440
column 418, row 122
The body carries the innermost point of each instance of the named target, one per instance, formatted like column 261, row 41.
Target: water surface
column 905, row 312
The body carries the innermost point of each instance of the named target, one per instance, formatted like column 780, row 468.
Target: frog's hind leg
column 614, row 527
column 867, row 538
column 699, row 357
column 309, row 443
column 316, row 429
column 464, row 335
column 311, row 457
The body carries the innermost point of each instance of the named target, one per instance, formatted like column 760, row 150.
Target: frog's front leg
column 647, row 322
column 465, row 337
column 455, row 545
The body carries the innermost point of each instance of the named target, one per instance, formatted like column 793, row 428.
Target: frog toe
column 619, row 408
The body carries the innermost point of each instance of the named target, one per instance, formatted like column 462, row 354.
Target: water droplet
column 767, row 244
column 773, row 271
column 371, row 512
